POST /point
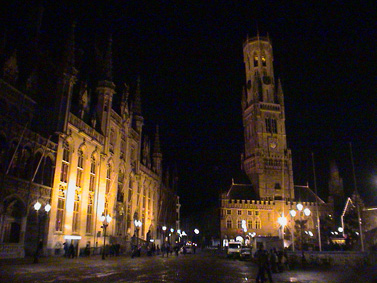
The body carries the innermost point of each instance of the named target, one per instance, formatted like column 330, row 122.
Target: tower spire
column 157, row 149
column 137, row 103
column 108, row 64
column 157, row 155
column 69, row 55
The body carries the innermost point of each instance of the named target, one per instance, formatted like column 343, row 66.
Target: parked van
column 234, row 249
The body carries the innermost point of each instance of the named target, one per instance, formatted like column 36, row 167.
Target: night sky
column 188, row 55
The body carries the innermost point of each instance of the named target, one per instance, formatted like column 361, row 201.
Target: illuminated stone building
column 64, row 142
column 252, row 208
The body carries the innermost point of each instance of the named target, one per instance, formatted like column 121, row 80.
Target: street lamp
column 105, row 222
column 282, row 220
column 163, row 233
column 37, row 207
column 137, row 228
column 171, row 236
column 301, row 223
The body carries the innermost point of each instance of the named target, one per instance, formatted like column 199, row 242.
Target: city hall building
column 69, row 155
column 258, row 206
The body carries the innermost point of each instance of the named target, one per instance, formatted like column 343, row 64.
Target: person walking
column 71, row 251
column 66, row 249
column 262, row 259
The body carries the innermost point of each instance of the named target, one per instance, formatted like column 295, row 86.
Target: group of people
column 270, row 262
column 69, row 250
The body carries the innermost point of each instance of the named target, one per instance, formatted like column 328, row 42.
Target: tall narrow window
column 108, row 178
column 274, row 127
column 257, row 224
column 76, row 213
column 264, row 63
column 92, row 184
column 249, row 224
column 256, row 60
column 80, row 168
column 60, row 209
column 120, row 186
column 144, row 198
column 239, row 224
column 268, row 125
column 89, row 215
column 65, row 163
column 92, row 179
column 229, row 224
column 149, row 201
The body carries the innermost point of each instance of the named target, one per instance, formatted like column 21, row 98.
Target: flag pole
column 357, row 201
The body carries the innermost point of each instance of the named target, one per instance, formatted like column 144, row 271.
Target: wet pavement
column 200, row 267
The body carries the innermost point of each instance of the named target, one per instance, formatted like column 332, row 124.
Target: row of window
column 250, row 224
column 271, row 126
column 147, row 197
column 256, row 60
column 239, row 212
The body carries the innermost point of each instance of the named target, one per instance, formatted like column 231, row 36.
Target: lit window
column 257, row 224
column 65, row 164
column 263, row 61
column 108, row 179
column 60, row 210
column 255, row 60
column 92, row 179
column 239, row 224
column 89, row 215
column 229, row 224
column 80, row 169
column 76, row 213
column 249, row 224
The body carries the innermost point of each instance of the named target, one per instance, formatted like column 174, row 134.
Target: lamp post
column 163, row 234
column 105, row 222
column 137, row 228
column 282, row 220
column 171, row 236
column 301, row 223
column 37, row 207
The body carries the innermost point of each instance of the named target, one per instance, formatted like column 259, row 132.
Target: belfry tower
column 267, row 161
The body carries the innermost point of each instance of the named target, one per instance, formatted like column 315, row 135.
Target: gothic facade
column 66, row 145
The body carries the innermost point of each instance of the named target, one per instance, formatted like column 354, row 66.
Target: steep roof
column 305, row 194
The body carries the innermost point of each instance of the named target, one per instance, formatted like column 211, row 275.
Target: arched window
column 92, row 183
column 60, row 209
column 26, row 162
column 48, row 173
column 264, row 63
column 256, row 60
column 92, row 178
column 80, row 168
column 120, row 186
column 37, row 168
column 3, row 151
column 108, row 178
column 65, row 163
column 76, row 212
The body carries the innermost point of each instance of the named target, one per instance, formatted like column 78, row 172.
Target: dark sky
column 188, row 55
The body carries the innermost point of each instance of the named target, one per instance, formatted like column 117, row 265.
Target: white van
column 234, row 249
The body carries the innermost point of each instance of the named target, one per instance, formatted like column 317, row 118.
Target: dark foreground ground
column 200, row 267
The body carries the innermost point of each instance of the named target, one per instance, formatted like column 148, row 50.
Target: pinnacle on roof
column 137, row 103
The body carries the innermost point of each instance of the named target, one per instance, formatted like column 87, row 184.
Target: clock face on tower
column 273, row 144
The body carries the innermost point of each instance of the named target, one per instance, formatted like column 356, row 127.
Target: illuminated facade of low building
column 82, row 155
column 252, row 208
